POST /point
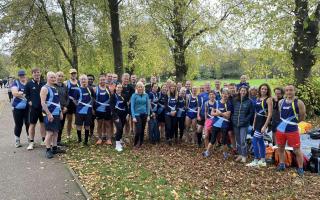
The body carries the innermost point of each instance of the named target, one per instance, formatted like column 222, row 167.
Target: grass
column 180, row 172
column 252, row 82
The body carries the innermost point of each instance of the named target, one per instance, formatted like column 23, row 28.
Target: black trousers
column 20, row 117
column 120, row 124
column 61, row 127
column 215, row 132
column 181, row 126
column 170, row 126
column 140, row 126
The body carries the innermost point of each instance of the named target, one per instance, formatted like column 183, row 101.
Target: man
column 202, row 99
column 127, row 92
column 188, row 87
column 148, row 86
column 292, row 111
column 91, row 85
column 279, row 92
column 115, row 79
column 133, row 80
column 50, row 102
column 232, row 90
column 217, row 89
column 179, row 86
column 111, row 85
column 72, row 85
column 243, row 82
column 84, row 101
column 64, row 102
column 20, row 106
column 32, row 91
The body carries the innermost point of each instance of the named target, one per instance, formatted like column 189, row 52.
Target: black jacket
column 63, row 94
column 242, row 112
column 32, row 91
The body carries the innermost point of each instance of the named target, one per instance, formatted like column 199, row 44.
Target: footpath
column 26, row 174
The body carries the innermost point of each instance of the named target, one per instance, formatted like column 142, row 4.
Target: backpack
column 154, row 133
column 287, row 156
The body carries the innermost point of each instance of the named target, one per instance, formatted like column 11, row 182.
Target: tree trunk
column 131, row 53
column 116, row 36
column 306, row 31
column 180, row 65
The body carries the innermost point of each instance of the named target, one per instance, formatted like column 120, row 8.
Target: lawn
column 252, row 82
column 180, row 172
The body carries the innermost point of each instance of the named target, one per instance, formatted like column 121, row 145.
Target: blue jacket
column 140, row 104
column 242, row 112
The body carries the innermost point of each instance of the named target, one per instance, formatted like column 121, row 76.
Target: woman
column 263, row 113
column 242, row 113
column 221, row 112
column 209, row 117
column 119, row 110
column 163, row 98
column 103, row 111
column 191, row 115
column 181, row 112
column 19, row 106
column 140, row 111
column 171, row 111
column 154, row 135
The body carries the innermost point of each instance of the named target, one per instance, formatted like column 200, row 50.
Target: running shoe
column 253, row 164
column 18, row 144
column 49, row 154
column 281, row 167
column 43, row 143
column 262, row 163
column 30, row 146
column 300, row 172
column 225, row 155
column 58, row 151
column 206, row 154
column 238, row 159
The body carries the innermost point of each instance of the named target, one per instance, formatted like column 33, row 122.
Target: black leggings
column 61, row 127
column 181, row 125
column 120, row 125
column 140, row 126
column 20, row 116
column 170, row 126
column 214, row 133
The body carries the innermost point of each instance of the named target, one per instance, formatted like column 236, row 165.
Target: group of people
column 183, row 113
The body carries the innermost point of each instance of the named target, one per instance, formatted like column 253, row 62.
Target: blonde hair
column 60, row 73
column 51, row 74
column 83, row 76
column 139, row 83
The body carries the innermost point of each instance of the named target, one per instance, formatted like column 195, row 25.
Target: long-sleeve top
column 32, row 91
column 140, row 104
column 119, row 105
column 63, row 94
column 242, row 112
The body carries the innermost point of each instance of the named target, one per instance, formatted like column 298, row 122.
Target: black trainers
column 49, row 154
column 58, row 151
column 62, row 144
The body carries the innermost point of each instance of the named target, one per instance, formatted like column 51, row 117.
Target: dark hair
column 35, row 69
column 232, row 84
column 153, row 85
column 279, row 88
column 268, row 88
column 239, row 95
column 91, row 76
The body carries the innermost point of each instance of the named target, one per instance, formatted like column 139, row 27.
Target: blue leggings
column 259, row 147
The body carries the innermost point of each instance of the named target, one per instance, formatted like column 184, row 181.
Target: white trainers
column 43, row 143
column 253, row 164
column 262, row 163
column 30, row 146
column 119, row 147
column 18, row 144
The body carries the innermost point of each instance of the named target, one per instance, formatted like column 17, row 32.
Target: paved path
column 28, row 174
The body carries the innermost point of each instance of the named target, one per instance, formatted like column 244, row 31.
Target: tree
column 306, row 32
column 182, row 22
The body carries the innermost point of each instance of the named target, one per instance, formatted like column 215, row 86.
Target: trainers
column 18, row 144
column 253, row 164
column 243, row 159
column 49, row 154
column 58, row 151
column 206, row 154
column 238, row 159
column 300, row 172
column 30, row 146
column 99, row 142
column 262, row 163
column 281, row 167
column 225, row 155
column 119, row 147
column 43, row 143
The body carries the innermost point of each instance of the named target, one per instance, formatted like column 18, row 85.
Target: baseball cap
column 72, row 71
column 21, row 72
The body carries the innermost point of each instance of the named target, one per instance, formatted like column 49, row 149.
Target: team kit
column 178, row 112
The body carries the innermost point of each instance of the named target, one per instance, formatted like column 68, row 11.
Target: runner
column 32, row 91
column 279, row 92
column 115, row 79
column 209, row 106
column 217, row 89
column 262, row 118
column 153, row 80
column 84, row 101
column 191, row 115
column 8, row 85
column 292, row 111
column 181, row 112
column 72, row 85
column 127, row 91
column 119, row 108
column 64, row 102
column 163, row 98
column 103, row 111
column 221, row 112
column 232, row 95
column 133, row 80
column 140, row 110
column 91, row 85
column 188, row 87
column 19, row 106
column 171, row 114
column 50, row 102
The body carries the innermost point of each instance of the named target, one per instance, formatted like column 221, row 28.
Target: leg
column 86, row 134
column 199, row 134
column 108, row 133
column 26, row 121
column 243, row 141
column 262, row 149
column 168, row 125
column 299, row 156
column 61, row 128
column 138, row 128
column 79, row 127
column 69, row 124
column 214, row 134
column 18, row 120
column 42, row 131
column 48, row 142
column 255, row 148
column 144, row 122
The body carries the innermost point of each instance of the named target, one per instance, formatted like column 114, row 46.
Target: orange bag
column 287, row 158
column 269, row 153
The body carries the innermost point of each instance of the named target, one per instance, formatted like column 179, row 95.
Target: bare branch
column 65, row 18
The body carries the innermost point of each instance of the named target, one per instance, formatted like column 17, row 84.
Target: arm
column 249, row 112
column 226, row 115
column 302, row 111
column 15, row 92
column 148, row 105
column 27, row 92
column 43, row 97
column 113, row 102
column 270, row 109
column 132, row 100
